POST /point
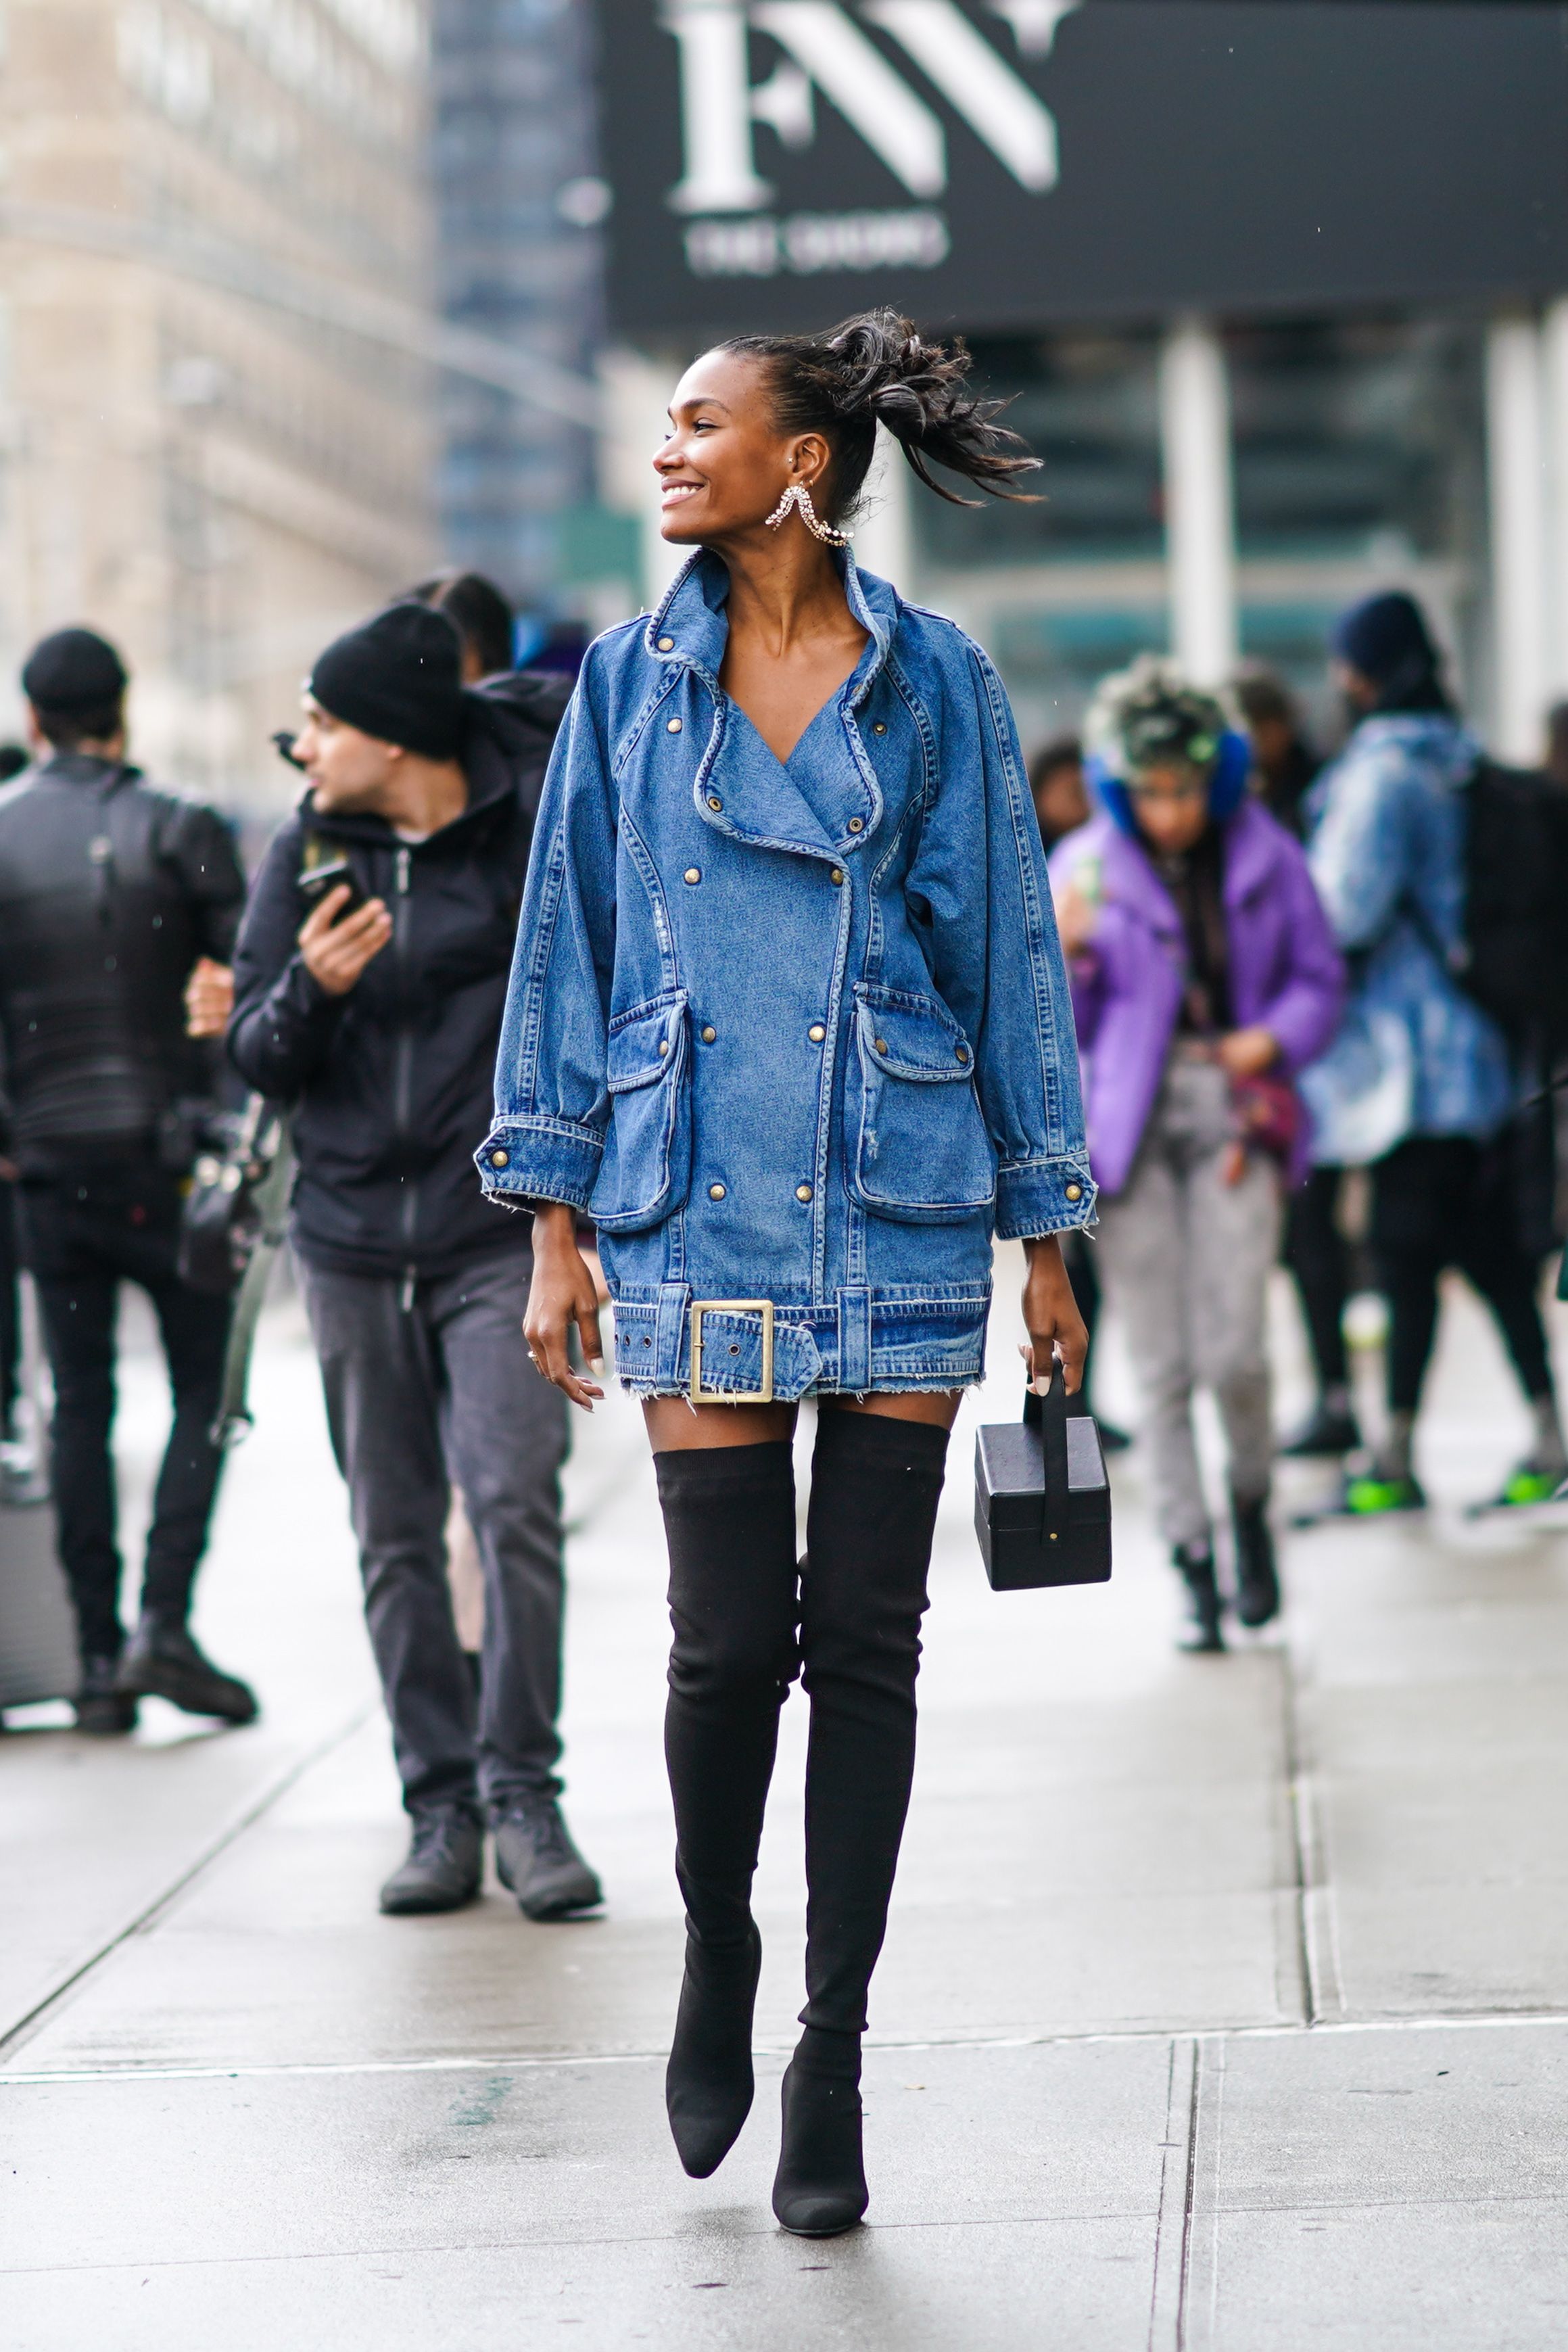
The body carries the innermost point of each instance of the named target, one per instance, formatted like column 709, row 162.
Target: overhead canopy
column 1012, row 164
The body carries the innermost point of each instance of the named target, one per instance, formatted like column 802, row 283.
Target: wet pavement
column 1225, row 2005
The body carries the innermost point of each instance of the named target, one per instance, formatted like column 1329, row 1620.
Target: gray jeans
column 420, row 1398
column 1185, row 1259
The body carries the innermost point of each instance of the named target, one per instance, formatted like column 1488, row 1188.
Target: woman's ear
column 810, row 457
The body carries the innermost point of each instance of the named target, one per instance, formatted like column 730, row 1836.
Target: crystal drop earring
column 797, row 495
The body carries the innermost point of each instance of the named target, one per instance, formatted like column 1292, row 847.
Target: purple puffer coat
column 1285, row 972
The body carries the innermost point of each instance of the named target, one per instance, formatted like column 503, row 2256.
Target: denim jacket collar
column 763, row 800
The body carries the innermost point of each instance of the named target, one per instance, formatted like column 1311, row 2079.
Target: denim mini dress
column 796, row 1035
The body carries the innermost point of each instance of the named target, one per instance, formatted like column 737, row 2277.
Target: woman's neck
column 783, row 588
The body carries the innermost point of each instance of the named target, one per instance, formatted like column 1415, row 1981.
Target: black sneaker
column 103, row 1710
column 162, row 1661
column 1322, row 1435
column 536, row 1858
column 444, row 1865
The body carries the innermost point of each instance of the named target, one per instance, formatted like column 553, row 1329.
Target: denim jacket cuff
column 541, row 1160
column 1043, row 1196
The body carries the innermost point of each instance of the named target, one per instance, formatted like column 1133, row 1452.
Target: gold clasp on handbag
column 695, row 1390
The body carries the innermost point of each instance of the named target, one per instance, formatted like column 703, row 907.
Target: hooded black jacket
column 392, row 1083
column 109, row 893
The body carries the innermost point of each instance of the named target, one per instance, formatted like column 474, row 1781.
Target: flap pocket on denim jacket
column 921, row 1155
column 646, row 1168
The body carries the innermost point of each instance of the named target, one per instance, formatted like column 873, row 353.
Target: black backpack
column 1515, row 956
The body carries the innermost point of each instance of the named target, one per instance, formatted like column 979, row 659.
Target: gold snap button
column 693, row 874
column 709, row 1036
column 499, row 1159
column 715, row 1192
column 672, row 726
column 714, row 801
column 881, row 1044
column 816, row 1033
column 836, row 877
column 1075, row 1192
column 802, row 1192
column 666, row 645
column 857, row 825
column 663, row 1044
column 962, row 1051
column 880, row 727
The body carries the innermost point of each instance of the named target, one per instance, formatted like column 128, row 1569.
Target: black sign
column 1016, row 162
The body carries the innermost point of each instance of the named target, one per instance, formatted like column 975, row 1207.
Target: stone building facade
column 216, row 406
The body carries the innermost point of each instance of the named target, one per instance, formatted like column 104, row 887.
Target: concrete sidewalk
column 1194, row 1962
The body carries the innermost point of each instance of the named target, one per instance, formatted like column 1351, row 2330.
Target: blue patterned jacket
column 1414, row 1054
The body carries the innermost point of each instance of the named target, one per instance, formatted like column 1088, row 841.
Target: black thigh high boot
column 876, row 1483
column 729, row 1516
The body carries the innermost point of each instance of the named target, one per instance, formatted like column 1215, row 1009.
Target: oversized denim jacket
column 796, row 1034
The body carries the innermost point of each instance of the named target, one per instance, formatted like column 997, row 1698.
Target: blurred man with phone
column 370, row 980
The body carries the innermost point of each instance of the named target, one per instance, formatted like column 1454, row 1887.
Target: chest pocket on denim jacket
column 647, row 1165
column 923, row 1155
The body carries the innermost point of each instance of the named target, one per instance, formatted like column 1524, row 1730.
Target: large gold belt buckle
column 701, row 1396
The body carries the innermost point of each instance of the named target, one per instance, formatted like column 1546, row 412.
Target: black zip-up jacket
column 392, row 1083
column 109, row 893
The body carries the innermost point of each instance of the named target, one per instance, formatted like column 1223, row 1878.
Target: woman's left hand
column 1051, row 1316
column 1247, row 1053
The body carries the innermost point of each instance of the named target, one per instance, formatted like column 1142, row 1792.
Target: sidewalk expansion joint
column 1450, row 2022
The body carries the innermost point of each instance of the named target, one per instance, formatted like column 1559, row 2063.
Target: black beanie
column 1386, row 639
column 73, row 670
column 399, row 678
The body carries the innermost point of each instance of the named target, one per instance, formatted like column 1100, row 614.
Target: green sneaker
column 1522, row 1488
column 1370, row 1497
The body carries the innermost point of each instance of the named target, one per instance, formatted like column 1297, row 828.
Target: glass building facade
column 518, row 260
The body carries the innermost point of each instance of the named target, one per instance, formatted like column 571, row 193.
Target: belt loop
column 669, row 1335
column 855, row 1341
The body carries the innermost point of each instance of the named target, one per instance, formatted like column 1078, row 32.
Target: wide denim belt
column 695, row 1390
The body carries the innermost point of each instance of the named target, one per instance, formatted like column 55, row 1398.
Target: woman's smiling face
column 726, row 464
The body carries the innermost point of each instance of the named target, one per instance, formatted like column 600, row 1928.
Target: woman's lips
column 674, row 492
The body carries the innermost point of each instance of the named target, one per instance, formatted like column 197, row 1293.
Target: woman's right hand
column 562, row 1292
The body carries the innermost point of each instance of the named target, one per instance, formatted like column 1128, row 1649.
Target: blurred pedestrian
column 110, row 893
column 1283, row 761
column 1418, row 1085
column 1062, row 804
column 1059, row 793
column 378, row 1017
column 789, row 1017
column 481, row 616
column 1203, row 979
column 1285, row 765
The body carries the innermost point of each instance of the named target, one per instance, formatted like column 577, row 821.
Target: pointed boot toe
column 709, row 2084
column 821, row 2186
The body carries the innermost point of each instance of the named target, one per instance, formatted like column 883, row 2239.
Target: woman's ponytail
column 875, row 369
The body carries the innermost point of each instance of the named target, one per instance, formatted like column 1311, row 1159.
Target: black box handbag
column 1043, row 1501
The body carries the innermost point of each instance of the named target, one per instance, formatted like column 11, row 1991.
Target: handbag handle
column 1048, row 1413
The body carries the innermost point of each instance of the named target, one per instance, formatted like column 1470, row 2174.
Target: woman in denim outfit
column 788, row 1020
